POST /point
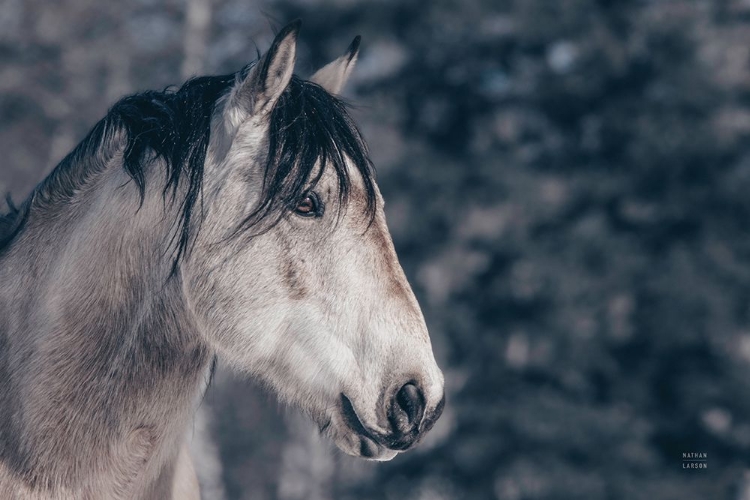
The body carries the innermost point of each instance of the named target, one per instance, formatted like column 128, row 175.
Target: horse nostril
column 407, row 409
column 409, row 399
column 406, row 414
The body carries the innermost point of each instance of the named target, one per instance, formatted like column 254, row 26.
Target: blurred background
column 568, row 189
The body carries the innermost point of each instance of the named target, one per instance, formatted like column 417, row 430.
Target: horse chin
column 360, row 446
column 352, row 442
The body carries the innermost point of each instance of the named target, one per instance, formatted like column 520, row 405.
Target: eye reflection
column 309, row 206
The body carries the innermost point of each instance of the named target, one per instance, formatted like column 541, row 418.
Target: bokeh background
column 568, row 188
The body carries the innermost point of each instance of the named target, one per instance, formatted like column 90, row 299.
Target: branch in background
column 205, row 456
column 197, row 22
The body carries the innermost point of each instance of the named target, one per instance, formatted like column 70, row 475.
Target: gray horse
column 238, row 218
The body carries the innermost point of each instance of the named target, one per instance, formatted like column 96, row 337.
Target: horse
column 235, row 217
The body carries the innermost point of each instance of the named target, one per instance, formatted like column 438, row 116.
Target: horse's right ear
column 333, row 76
column 267, row 80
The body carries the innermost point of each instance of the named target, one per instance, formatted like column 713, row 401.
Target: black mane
column 309, row 124
column 306, row 125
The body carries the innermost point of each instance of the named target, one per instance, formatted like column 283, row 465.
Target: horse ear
column 268, row 79
column 333, row 76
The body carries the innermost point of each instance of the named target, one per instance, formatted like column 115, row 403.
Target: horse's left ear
column 333, row 76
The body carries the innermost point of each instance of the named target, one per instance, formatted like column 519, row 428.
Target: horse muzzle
column 408, row 417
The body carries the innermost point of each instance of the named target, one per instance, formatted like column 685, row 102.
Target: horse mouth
column 370, row 446
column 352, row 419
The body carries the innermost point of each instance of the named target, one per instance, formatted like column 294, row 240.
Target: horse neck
column 97, row 346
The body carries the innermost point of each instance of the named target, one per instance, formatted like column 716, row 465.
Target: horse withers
column 237, row 217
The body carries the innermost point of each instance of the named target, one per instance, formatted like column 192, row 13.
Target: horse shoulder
column 132, row 468
column 175, row 479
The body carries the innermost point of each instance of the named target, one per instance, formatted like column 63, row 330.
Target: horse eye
column 309, row 206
